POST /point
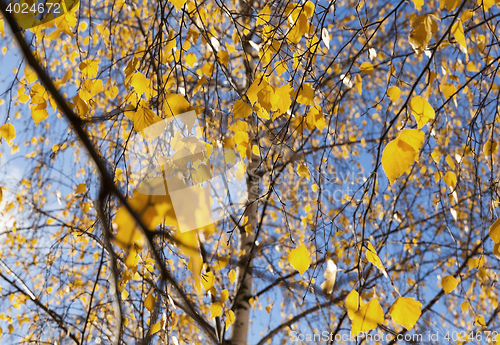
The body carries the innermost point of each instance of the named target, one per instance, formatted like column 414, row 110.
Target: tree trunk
column 244, row 271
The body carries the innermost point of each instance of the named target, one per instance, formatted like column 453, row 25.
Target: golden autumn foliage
column 237, row 172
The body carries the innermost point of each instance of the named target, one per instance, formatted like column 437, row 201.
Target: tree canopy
column 363, row 134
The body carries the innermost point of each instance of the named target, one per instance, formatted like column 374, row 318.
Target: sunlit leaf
column 303, row 171
column 368, row 317
column 140, row 83
column 450, row 178
column 229, row 318
column 149, row 302
column 423, row 29
column 449, row 283
column 458, row 31
column 422, row 110
column 215, row 310
column 394, row 93
column 81, row 188
column 367, row 68
column 241, row 110
column 208, row 280
column 264, row 15
column 8, row 132
column 89, row 68
column 155, row 328
column 406, row 311
column 418, row 4
column 305, row 94
column 490, row 147
column 299, row 259
column 494, row 231
column 401, row 153
column 175, row 105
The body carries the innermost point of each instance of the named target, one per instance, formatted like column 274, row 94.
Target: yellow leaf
column 178, row 3
column 111, row 91
column 372, row 256
column 309, row 9
column 229, row 318
column 224, row 296
column 221, row 262
column 175, row 105
column 269, row 307
column 223, row 55
column 191, row 59
column 464, row 306
column 149, row 302
column 241, row 110
column 423, row 29
column 23, row 98
column 421, row 110
column 264, row 16
column 140, row 83
column 267, row 99
column 30, row 74
column 406, row 311
column 450, row 179
column 232, row 276
column 358, row 82
column 39, row 112
column 449, row 284
column 1, row 194
column 208, row 280
column 306, row 94
column 401, row 153
column 303, row 171
column 494, row 231
column 280, row 67
column 466, row 15
column 298, row 28
column 299, row 259
column 254, row 89
column 418, row 4
column 260, row 111
column 124, row 295
column 132, row 258
column 448, row 89
column 458, row 31
column 480, row 321
column 367, row 68
column 143, row 117
column 8, row 132
column 490, row 147
column 199, row 84
column 153, row 209
column 215, row 310
column 315, row 118
column 449, row 4
column 394, row 93
column 496, row 247
column 155, row 328
column 285, row 99
column 81, row 188
column 255, row 150
column 487, row 4
column 89, row 68
column 450, row 162
column 207, row 69
column 368, row 317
